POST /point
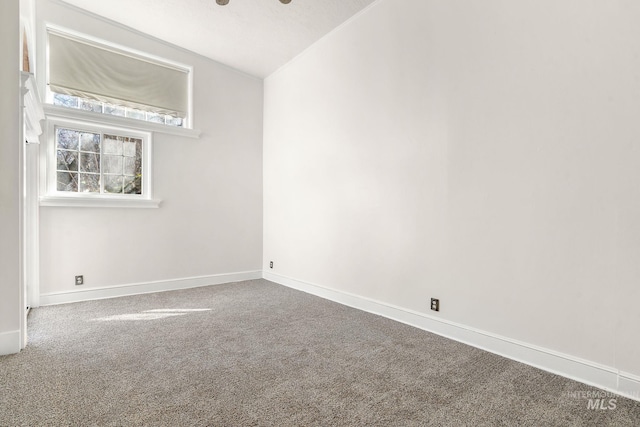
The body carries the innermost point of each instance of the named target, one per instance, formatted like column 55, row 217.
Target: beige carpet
column 258, row 354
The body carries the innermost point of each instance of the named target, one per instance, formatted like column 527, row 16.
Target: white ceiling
column 254, row 36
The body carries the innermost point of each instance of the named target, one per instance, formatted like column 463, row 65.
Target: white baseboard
column 10, row 342
column 143, row 288
column 584, row 371
column 630, row 384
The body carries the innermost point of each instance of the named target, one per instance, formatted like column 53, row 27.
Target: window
column 96, row 165
column 98, row 77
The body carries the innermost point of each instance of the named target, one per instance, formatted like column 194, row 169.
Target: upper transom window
column 95, row 76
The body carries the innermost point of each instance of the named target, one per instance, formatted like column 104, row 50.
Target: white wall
column 10, row 302
column 210, row 220
column 485, row 153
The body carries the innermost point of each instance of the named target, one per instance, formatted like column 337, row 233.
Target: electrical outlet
column 270, row 264
column 435, row 304
column 79, row 280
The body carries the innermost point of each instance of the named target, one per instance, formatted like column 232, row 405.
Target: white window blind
column 87, row 70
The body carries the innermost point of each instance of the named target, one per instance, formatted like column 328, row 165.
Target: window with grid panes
column 100, row 163
column 89, row 163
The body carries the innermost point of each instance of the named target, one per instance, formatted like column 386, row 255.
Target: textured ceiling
column 254, row 36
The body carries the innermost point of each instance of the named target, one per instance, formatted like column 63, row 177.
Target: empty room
column 320, row 213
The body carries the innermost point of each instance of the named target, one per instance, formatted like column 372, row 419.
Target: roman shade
column 88, row 70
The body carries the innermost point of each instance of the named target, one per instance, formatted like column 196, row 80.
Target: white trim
column 117, row 121
column 32, row 224
column 33, row 112
column 10, row 342
column 98, row 202
column 146, row 287
column 32, row 116
column 28, row 102
column 584, row 371
column 630, row 384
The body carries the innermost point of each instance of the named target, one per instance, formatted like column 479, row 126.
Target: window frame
column 52, row 197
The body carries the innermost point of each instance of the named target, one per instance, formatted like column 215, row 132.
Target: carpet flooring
column 258, row 354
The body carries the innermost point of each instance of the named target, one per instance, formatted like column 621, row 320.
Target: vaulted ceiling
column 253, row 36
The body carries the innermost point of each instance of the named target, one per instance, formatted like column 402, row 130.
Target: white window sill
column 102, row 119
column 98, row 202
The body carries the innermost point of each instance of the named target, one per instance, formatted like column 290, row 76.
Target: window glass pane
column 129, row 148
column 174, row 121
column 155, row 118
column 89, row 162
column 114, row 110
column 133, row 185
column 67, row 160
column 89, row 183
column 112, row 145
column 139, row 149
column 67, row 138
column 112, row 184
column 135, row 114
column 65, row 100
column 130, row 166
column 90, row 142
column 112, row 164
column 90, row 105
column 67, row 181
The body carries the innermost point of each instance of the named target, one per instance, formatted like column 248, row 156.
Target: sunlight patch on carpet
column 152, row 314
